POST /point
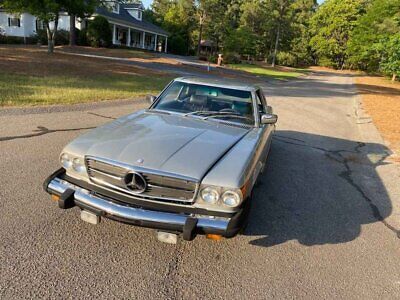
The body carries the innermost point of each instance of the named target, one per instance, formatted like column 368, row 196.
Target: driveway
column 324, row 222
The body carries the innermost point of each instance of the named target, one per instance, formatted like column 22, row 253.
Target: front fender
column 240, row 166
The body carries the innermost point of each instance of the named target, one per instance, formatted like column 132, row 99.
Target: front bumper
column 188, row 224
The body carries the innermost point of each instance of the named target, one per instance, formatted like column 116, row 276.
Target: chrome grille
column 160, row 186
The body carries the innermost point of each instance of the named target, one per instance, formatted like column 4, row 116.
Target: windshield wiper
column 228, row 115
column 153, row 110
column 200, row 112
column 207, row 114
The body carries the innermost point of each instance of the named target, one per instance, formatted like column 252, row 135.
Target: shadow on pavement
column 312, row 191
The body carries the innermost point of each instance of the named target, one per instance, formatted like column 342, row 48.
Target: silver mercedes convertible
column 187, row 165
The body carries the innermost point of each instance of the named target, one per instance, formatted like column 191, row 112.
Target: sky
column 147, row 3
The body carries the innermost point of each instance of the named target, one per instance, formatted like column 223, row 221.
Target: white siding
column 63, row 23
column 28, row 22
column 13, row 30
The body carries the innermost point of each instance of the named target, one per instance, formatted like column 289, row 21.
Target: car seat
column 244, row 108
column 197, row 103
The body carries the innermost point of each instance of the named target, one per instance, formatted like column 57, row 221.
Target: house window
column 39, row 25
column 14, row 22
column 139, row 14
column 115, row 7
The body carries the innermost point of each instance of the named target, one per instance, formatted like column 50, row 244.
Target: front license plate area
column 166, row 237
column 90, row 217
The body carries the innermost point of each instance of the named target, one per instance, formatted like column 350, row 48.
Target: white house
column 128, row 27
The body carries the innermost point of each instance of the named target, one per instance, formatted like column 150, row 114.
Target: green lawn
column 31, row 90
column 124, row 53
column 269, row 72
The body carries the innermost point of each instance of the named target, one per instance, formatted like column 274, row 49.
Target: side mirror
column 269, row 119
column 151, row 98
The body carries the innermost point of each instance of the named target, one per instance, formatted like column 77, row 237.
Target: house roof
column 132, row 6
column 125, row 18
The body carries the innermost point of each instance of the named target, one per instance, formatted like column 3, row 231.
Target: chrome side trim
column 83, row 196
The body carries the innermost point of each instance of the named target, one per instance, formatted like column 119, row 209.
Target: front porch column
column 128, row 40
column 155, row 43
column 114, row 33
column 166, row 44
column 143, row 38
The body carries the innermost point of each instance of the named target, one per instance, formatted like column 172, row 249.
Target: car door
column 267, row 129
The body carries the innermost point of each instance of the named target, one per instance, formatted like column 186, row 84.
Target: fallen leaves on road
column 381, row 100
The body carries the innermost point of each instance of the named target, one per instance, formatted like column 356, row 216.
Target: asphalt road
column 324, row 222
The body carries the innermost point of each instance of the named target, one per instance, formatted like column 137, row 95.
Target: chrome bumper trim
column 84, row 197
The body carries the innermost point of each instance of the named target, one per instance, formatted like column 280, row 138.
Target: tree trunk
column 51, row 35
column 200, row 33
column 50, row 46
column 199, row 42
column 50, row 40
column 394, row 76
column 72, row 31
column 276, row 45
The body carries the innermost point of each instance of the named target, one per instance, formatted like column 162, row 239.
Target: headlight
column 231, row 199
column 66, row 161
column 209, row 195
column 77, row 165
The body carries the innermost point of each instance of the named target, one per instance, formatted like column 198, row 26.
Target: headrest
column 198, row 99
column 242, row 107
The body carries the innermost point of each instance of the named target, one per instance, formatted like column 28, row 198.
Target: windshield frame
column 253, row 102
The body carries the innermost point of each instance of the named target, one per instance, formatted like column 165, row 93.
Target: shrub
column 177, row 45
column 81, row 37
column 4, row 39
column 62, row 37
column 41, row 36
column 99, row 32
column 241, row 41
column 326, row 62
column 286, row 59
column 231, row 58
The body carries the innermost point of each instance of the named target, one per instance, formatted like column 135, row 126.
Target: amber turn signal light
column 55, row 197
column 215, row 237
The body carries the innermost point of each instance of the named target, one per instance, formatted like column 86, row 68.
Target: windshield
column 208, row 102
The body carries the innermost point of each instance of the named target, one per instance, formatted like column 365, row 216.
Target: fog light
column 214, row 237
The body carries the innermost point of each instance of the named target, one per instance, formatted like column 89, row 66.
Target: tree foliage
column 178, row 18
column 359, row 34
column 390, row 63
column 331, row 27
column 374, row 31
column 46, row 10
column 80, row 9
column 237, row 27
column 99, row 32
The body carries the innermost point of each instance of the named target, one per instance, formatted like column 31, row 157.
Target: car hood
column 176, row 144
